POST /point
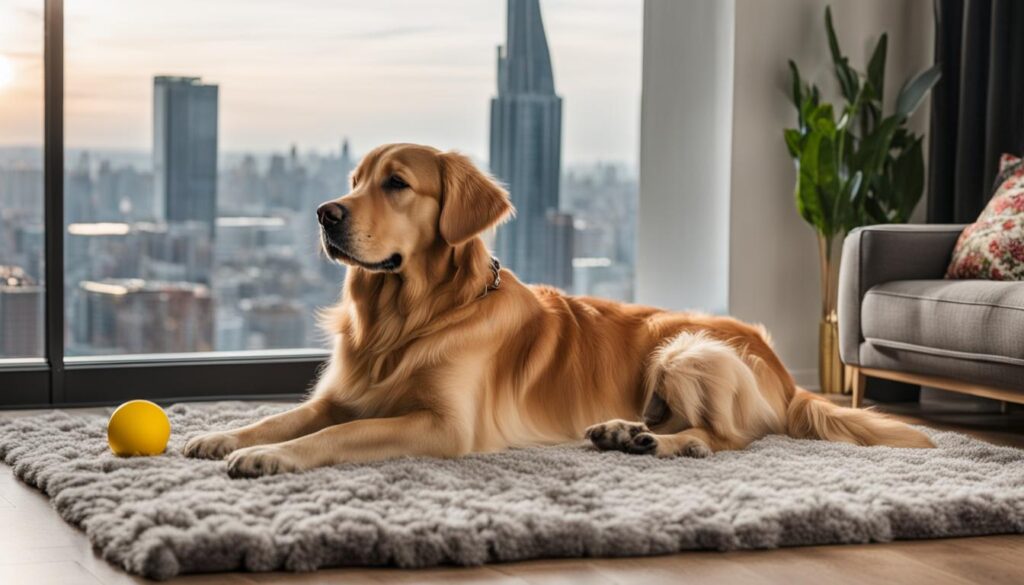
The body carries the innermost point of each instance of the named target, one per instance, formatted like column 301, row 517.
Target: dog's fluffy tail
column 812, row 417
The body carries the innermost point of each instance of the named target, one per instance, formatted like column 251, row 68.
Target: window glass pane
column 201, row 136
column 21, row 178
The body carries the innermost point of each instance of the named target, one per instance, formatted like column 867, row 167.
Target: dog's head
column 406, row 199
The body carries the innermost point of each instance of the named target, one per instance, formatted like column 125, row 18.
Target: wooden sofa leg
column 859, row 381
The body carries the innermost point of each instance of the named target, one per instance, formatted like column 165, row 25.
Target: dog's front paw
column 621, row 435
column 262, row 460
column 211, row 445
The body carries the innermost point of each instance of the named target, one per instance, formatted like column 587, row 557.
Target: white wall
column 686, row 105
column 771, row 269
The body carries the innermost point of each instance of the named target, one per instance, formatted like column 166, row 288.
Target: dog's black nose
column 331, row 213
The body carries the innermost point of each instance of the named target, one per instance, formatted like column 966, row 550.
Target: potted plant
column 858, row 169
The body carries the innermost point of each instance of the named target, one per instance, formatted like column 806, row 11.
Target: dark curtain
column 978, row 104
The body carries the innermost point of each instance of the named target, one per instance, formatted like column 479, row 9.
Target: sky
column 309, row 72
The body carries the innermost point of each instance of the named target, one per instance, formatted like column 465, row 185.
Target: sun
column 6, row 72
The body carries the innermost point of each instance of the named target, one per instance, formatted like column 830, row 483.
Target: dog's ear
column 471, row 201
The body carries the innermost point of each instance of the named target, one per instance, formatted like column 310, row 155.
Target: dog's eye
column 395, row 183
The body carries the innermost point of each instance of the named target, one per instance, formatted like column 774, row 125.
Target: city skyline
column 268, row 278
column 192, row 246
column 346, row 74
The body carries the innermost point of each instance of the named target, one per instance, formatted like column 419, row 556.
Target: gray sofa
column 900, row 320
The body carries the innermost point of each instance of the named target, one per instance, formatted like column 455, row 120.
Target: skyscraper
column 185, row 149
column 526, row 149
column 21, row 314
column 142, row 316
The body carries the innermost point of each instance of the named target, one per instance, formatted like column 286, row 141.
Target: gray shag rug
column 162, row 516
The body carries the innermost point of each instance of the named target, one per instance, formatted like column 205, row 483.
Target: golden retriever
column 439, row 352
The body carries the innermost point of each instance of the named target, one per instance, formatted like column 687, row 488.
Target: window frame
column 58, row 380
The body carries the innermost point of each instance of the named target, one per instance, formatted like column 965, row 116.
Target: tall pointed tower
column 526, row 151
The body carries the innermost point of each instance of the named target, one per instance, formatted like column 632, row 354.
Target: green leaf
column 874, row 212
column 793, row 140
column 868, row 95
column 828, row 170
column 902, row 139
column 872, row 113
column 846, row 208
column 876, row 68
column 852, row 187
column 797, row 85
column 874, row 148
column 914, row 90
column 808, row 199
column 821, row 116
column 820, row 172
column 833, row 42
column 809, row 158
column 843, row 121
column 829, row 186
column 848, row 80
column 908, row 180
column 824, row 123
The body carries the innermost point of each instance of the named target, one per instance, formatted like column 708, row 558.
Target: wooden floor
column 37, row 547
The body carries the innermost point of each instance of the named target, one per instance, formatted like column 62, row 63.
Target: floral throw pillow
column 992, row 248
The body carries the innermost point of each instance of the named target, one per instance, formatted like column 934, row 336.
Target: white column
column 685, row 141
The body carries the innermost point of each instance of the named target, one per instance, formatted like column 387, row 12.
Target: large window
column 21, row 179
column 201, row 137
column 198, row 137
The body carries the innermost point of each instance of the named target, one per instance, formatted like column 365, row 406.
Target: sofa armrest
column 884, row 253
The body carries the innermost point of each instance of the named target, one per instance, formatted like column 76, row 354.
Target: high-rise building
column 21, row 314
column 560, row 248
column 526, row 148
column 334, row 170
column 139, row 316
column 175, row 251
column 185, row 149
column 153, row 251
column 78, row 192
column 274, row 323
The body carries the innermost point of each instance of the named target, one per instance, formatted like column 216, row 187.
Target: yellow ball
column 138, row 427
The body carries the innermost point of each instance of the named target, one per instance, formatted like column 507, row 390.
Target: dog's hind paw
column 696, row 449
column 621, row 435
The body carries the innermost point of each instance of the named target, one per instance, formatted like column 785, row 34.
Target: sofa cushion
column 972, row 371
column 993, row 247
column 968, row 320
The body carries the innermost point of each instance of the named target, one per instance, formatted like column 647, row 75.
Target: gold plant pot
column 830, row 368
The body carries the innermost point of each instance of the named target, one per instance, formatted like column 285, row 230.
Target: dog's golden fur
column 429, row 360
